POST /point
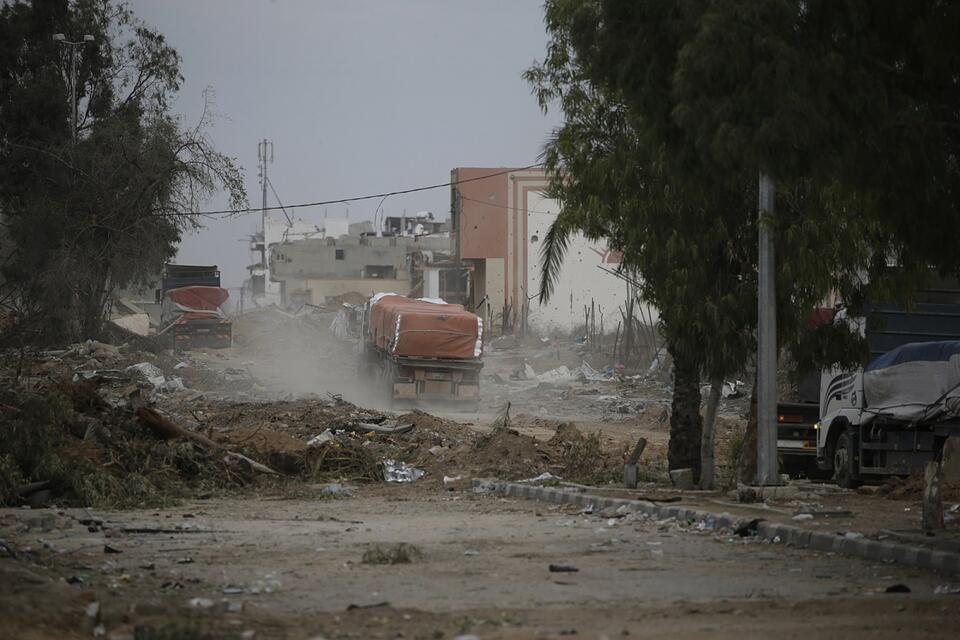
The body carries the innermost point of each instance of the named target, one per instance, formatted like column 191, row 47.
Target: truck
column 797, row 418
column 190, row 314
column 893, row 416
column 423, row 349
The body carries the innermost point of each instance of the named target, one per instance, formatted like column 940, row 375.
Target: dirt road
column 283, row 568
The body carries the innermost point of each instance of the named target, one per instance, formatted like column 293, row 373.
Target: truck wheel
column 843, row 462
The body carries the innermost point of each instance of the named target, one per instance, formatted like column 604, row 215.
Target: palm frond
column 554, row 248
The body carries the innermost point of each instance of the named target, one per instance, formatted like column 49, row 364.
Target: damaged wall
column 499, row 225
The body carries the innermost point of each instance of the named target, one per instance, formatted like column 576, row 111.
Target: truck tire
column 844, row 470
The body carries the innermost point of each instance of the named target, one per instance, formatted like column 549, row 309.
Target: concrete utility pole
column 264, row 156
column 73, row 46
column 767, row 473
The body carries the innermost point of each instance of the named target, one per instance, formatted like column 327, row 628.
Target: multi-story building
column 499, row 220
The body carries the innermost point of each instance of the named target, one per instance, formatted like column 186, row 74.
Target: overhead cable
column 227, row 212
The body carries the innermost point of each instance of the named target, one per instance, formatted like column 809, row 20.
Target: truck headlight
column 816, row 426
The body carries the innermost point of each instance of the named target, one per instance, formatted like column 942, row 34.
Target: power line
column 351, row 199
column 507, row 207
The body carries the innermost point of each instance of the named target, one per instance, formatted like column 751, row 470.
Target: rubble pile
column 64, row 442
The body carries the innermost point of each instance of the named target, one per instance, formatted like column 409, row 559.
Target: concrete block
column 682, row 479
column 950, row 465
column 630, row 478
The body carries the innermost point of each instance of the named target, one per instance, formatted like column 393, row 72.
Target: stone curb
column 795, row 536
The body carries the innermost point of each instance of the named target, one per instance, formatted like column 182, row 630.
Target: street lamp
column 62, row 39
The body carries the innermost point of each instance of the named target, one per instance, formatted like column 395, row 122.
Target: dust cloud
column 295, row 356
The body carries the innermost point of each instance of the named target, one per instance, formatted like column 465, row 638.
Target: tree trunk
column 747, row 471
column 686, row 425
column 709, row 433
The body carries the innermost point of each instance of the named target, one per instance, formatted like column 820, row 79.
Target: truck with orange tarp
column 191, row 301
column 423, row 349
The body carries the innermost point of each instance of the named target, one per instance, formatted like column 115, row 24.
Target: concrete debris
column 524, row 372
column 394, row 471
column 148, row 372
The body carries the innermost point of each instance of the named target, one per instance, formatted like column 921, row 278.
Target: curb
column 909, row 555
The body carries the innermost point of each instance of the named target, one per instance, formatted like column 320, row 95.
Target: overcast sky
column 359, row 96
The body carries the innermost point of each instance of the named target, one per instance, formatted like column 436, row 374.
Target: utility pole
column 73, row 46
column 767, row 473
column 265, row 157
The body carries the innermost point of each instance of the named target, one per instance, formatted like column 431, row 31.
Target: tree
column 671, row 109
column 83, row 218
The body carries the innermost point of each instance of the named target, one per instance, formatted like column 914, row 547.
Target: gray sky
column 359, row 96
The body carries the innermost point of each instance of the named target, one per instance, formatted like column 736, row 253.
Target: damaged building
column 314, row 271
column 498, row 226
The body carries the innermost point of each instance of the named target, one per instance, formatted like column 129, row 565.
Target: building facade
column 317, row 270
column 499, row 220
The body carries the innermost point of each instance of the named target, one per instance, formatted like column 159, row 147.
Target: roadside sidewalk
column 772, row 524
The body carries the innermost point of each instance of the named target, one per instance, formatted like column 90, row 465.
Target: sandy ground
column 294, row 569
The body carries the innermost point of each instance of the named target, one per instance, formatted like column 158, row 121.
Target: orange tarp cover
column 415, row 328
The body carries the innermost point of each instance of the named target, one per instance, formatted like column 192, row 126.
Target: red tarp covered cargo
column 416, row 328
column 192, row 303
column 199, row 298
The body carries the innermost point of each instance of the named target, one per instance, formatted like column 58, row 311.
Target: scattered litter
column 471, row 552
column 449, row 479
column 590, row 374
column 560, row 374
column 897, row 588
column 181, row 365
column 201, row 603
column 732, row 389
column 375, row 605
column 394, row 471
column 400, row 553
column 802, row 517
column 232, row 590
column 336, row 489
column 746, row 529
column 321, row 438
column 946, row 589
column 543, row 477
column 562, row 568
